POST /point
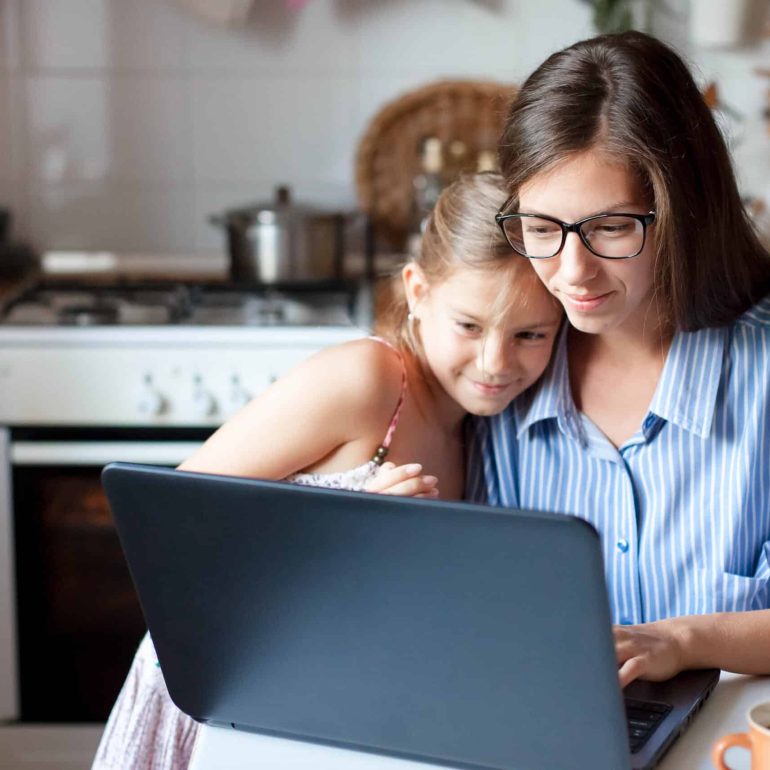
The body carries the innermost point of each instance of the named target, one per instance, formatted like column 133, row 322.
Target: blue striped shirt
column 683, row 506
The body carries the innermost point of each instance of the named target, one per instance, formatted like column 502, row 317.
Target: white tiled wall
column 124, row 123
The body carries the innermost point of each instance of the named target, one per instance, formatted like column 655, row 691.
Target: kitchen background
column 124, row 124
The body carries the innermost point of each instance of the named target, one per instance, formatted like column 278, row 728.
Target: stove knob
column 204, row 404
column 239, row 396
column 152, row 403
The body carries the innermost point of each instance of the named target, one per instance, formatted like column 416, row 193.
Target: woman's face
column 599, row 295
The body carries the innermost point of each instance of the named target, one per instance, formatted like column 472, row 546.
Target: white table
column 725, row 712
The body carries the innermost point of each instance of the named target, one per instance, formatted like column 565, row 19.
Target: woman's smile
column 585, row 303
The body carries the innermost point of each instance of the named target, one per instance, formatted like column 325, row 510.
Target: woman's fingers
column 649, row 651
column 407, row 480
column 632, row 669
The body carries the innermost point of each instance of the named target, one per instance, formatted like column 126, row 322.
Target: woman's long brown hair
column 633, row 98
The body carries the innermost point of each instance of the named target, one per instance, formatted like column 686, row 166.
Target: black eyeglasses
column 610, row 236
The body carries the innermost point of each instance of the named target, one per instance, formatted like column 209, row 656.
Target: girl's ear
column 415, row 284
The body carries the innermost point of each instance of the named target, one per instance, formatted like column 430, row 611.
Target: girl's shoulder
column 367, row 359
column 364, row 374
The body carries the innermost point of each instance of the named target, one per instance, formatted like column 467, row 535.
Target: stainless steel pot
column 281, row 242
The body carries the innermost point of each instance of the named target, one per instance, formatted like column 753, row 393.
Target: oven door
column 69, row 608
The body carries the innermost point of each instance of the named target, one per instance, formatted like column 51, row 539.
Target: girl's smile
column 490, row 390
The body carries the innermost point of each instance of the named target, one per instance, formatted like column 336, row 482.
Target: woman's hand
column 406, row 480
column 653, row 651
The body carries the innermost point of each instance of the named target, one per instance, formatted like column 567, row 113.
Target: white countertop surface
column 94, row 264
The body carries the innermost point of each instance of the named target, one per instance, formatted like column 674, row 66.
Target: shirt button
column 622, row 545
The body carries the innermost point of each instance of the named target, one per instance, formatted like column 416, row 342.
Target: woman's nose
column 577, row 264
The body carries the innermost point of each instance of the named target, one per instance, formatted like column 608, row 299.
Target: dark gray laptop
column 449, row 633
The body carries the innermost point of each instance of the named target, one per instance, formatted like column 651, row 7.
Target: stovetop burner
column 98, row 314
column 66, row 304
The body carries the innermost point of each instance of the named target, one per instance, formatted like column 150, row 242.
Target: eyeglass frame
column 566, row 228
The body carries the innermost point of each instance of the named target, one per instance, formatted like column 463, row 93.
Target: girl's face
column 599, row 295
column 481, row 357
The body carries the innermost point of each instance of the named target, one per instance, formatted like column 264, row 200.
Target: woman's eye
column 613, row 229
column 542, row 231
column 468, row 327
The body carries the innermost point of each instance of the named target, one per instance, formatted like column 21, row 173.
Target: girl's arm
column 733, row 641
column 333, row 407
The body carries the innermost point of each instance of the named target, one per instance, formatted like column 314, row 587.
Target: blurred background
column 123, row 125
column 194, row 196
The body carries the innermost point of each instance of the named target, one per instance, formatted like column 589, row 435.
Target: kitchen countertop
column 107, row 268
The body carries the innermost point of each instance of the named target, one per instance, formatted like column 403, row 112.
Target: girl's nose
column 577, row 264
column 493, row 357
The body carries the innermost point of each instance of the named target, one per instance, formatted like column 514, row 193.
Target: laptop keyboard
column 643, row 717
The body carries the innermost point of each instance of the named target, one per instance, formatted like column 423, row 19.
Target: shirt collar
column 686, row 394
column 551, row 397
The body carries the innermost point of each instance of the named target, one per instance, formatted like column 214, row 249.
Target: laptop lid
column 446, row 632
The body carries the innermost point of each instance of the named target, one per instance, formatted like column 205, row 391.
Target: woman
column 653, row 421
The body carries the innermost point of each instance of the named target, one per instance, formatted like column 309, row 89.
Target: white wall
column 123, row 123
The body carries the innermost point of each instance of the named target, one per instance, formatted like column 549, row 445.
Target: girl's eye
column 468, row 327
column 530, row 336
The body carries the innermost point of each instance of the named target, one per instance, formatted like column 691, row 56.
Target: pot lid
column 281, row 206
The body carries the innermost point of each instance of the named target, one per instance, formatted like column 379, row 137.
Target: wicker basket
column 388, row 155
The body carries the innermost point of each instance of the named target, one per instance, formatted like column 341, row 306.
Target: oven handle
column 101, row 452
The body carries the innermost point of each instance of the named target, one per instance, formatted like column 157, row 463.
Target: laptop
column 450, row 633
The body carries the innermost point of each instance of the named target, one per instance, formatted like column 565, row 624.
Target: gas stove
column 160, row 354
column 91, row 373
column 66, row 304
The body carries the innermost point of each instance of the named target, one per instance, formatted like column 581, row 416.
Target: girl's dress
column 145, row 730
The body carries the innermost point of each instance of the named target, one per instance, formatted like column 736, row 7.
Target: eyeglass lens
column 613, row 236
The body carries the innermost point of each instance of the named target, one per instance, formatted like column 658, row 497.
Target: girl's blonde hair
column 461, row 232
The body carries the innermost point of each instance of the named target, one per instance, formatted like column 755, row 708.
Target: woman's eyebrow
column 613, row 207
column 605, row 209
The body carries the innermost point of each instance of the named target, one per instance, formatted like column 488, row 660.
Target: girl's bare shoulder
column 363, row 375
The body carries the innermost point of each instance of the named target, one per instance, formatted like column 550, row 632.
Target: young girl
column 471, row 328
column 653, row 422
